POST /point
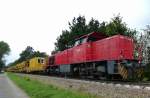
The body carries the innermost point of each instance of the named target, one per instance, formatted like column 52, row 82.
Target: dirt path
column 8, row 89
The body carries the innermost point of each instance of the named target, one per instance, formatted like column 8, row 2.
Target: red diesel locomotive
column 97, row 56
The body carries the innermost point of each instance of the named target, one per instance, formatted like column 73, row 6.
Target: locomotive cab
column 91, row 37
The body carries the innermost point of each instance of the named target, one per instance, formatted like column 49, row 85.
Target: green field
column 36, row 89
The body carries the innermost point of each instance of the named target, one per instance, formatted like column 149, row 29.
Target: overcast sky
column 38, row 23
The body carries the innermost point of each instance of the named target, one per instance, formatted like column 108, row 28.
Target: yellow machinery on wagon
column 36, row 64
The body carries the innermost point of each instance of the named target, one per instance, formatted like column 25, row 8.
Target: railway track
column 116, row 83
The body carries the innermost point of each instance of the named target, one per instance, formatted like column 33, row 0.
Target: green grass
column 36, row 89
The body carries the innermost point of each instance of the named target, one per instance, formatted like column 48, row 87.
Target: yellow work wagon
column 37, row 64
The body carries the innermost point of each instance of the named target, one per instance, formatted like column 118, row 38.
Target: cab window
column 84, row 40
column 42, row 61
column 38, row 60
column 77, row 43
column 80, row 41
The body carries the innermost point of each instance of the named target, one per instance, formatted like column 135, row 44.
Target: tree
column 63, row 41
column 27, row 53
column 4, row 50
column 148, row 55
column 117, row 26
column 145, row 41
column 94, row 25
column 39, row 54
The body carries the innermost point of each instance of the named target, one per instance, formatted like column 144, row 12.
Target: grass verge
column 36, row 89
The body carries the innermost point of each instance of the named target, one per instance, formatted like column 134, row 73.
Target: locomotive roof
column 98, row 35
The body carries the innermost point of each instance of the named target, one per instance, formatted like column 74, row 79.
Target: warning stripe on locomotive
column 122, row 71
